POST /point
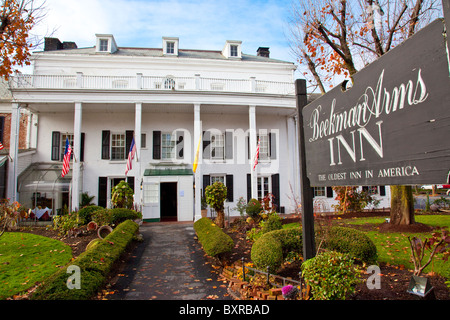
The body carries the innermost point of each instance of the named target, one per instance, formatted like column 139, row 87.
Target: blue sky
column 200, row 24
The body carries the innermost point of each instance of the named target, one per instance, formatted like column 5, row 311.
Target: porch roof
column 168, row 172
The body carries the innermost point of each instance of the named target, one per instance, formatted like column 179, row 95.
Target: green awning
column 168, row 172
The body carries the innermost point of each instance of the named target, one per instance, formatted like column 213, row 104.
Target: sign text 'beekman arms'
column 392, row 127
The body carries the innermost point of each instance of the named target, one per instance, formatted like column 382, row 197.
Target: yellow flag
column 194, row 166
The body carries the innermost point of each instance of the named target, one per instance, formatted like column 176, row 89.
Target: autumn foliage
column 16, row 20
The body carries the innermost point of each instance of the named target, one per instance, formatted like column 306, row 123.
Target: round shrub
column 272, row 247
column 253, row 208
column 272, row 223
column 331, row 275
column 119, row 215
column 353, row 242
column 85, row 213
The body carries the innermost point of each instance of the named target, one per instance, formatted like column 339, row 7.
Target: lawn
column 393, row 248
column 26, row 259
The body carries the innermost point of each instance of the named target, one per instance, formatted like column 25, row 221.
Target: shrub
column 102, row 217
column 353, row 242
column 119, row 215
column 212, row 238
column 85, row 213
column 272, row 247
column 95, row 264
column 331, row 276
column 122, row 195
column 64, row 223
column 253, row 208
column 272, row 223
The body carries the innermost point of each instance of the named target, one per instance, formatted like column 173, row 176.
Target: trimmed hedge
column 212, row 238
column 353, row 242
column 272, row 247
column 95, row 264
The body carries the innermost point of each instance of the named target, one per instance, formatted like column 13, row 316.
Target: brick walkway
column 168, row 265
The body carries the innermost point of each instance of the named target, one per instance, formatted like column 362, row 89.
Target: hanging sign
column 392, row 127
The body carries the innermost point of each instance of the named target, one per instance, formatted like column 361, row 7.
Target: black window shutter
column 206, row 143
column 156, row 145
column 206, row 182
column 105, row 144
column 130, row 181
column 102, row 191
column 129, row 134
column 329, row 192
column 365, row 188
column 229, row 145
column 382, row 191
column 180, row 145
column 249, row 187
column 230, row 190
column 56, row 136
column 82, row 146
column 273, row 145
column 276, row 190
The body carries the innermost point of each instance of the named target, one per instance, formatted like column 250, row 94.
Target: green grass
column 393, row 247
column 26, row 259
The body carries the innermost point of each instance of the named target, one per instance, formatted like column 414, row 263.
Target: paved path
column 169, row 265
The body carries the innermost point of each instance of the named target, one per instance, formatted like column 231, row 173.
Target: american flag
column 1, row 146
column 131, row 154
column 66, row 160
column 256, row 155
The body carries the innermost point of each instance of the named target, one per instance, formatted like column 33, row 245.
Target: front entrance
column 169, row 202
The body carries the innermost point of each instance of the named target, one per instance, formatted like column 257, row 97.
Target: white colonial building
column 171, row 101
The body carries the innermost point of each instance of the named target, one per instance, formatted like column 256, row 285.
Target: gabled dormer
column 105, row 43
column 170, row 46
column 232, row 49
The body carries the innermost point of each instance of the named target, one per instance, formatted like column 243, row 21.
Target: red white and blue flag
column 131, row 154
column 66, row 160
column 1, row 146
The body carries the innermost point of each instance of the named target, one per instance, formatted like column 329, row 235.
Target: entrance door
column 169, row 206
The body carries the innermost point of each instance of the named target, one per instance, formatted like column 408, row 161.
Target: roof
column 168, row 172
column 158, row 52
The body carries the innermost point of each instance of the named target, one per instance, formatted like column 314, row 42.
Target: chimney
column 52, row 44
column 69, row 45
column 263, row 52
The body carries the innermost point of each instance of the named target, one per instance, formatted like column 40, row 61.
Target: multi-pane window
column 263, row 187
column 103, row 45
column 167, row 146
column 65, row 136
column 233, row 51
column 217, row 146
column 170, row 47
column 264, row 146
column 217, row 179
column 319, row 192
column 151, row 193
column 117, row 146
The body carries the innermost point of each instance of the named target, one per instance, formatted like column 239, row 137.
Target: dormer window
column 232, row 49
column 170, row 46
column 105, row 43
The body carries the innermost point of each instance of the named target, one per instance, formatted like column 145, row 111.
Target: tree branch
column 393, row 29
column 414, row 17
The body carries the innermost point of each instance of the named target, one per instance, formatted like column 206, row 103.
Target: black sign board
column 392, row 127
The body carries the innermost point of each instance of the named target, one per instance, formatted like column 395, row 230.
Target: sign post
column 306, row 191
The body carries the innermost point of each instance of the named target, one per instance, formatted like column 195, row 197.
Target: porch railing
column 141, row 82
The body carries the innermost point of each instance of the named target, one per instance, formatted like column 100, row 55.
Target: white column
column 137, row 157
column 76, row 170
column 13, row 153
column 198, row 173
column 253, row 145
